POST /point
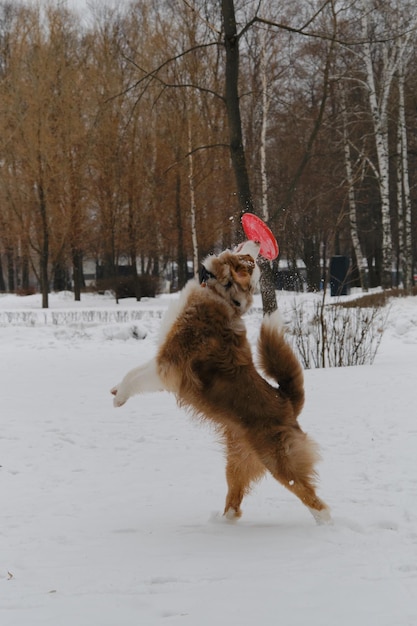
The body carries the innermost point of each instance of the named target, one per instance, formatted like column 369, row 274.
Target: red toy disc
column 256, row 230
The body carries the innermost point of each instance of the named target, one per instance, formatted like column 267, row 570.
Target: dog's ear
column 241, row 268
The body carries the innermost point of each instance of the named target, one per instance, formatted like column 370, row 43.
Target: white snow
column 112, row 517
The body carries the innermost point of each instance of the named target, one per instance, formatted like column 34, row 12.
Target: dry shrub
column 328, row 335
column 377, row 299
column 129, row 287
column 25, row 291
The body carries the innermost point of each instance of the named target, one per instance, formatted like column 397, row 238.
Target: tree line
column 116, row 139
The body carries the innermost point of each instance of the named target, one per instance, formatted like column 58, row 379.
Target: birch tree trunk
column 267, row 277
column 265, row 100
column 404, row 207
column 400, row 202
column 392, row 59
column 354, row 234
column 192, row 197
column 379, row 113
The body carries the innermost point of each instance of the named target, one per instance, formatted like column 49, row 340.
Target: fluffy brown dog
column 204, row 358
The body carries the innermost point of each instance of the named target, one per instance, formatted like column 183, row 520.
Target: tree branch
column 323, row 36
column 153, row 73
column 194, row 10
column 317, row 125
column 193, row 151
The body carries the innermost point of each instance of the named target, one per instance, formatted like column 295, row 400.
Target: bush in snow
column 328, row 335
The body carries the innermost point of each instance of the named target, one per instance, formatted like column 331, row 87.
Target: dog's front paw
column 119, row 399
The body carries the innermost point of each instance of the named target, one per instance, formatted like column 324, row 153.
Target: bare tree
column 350, row 179
column 378, row 89
column 105, row 152
column 403, row 182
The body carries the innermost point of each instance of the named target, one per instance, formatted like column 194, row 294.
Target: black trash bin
column 339, row 274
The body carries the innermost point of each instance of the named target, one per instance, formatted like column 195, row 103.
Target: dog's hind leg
column 307, row 494
column 142, row 379
column 304, row 489
column 293, row 466
column 242, row 469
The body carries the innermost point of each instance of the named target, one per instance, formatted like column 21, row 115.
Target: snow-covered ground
column 112, row 517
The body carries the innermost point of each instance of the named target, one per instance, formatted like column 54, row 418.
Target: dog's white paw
column 119, row 399
column 231, row 515
column 322, row 517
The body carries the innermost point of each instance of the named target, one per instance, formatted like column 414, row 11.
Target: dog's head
column 232, row 276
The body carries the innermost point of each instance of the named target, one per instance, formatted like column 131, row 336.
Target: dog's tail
column 279, row 362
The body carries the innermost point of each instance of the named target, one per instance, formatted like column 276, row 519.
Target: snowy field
column 112, row 517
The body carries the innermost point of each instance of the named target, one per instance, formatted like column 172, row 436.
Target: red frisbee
column 256, row 230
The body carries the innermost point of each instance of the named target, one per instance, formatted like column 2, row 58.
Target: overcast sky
column 81, row 5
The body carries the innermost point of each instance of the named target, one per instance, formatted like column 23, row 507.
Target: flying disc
column 256, row 230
